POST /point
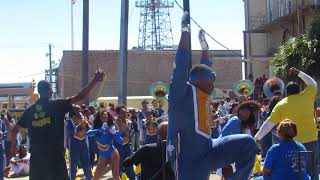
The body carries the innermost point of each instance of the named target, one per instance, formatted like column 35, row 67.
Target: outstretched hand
column 99, row 75
column 202, row 39
column 184, row 22
column 293, row 72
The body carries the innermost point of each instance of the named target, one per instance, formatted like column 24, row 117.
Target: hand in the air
column 184, row 22
column 99, row 75
column 293, row 72
column 202, row 40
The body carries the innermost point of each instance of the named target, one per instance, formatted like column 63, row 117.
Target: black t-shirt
column 44, row 121
column 150, row 157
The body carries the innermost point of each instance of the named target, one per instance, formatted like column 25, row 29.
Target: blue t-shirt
column 283, row 161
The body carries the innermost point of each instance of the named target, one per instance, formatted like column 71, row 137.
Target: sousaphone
column 159, row 90
column 273, row 87
column 243, row 88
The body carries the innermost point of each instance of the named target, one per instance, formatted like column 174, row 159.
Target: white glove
column 202, row 40
column 112, row 129
column 105, row 126
column 185, row 27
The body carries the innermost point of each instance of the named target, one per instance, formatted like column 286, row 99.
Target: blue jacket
column 187, row 122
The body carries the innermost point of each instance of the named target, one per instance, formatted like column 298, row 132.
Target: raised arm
column 309, row 81
column 311, row 89
column 182, row 64
column 205, row 47
column 99, row 75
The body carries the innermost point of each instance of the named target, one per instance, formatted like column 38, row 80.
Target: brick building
column 144, row 68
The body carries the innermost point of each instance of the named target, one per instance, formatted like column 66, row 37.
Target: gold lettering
column 41, row 122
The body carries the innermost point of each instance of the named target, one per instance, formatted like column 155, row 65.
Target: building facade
column 269, row 24
column 144, row 68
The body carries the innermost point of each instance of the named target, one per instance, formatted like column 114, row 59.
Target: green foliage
column 302, row 52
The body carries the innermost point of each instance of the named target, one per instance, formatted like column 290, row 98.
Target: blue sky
column 27, row 27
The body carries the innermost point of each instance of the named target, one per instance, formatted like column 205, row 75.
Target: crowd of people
column 195, row 137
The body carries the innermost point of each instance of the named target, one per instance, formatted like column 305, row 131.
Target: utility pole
column 85, row 45
column 50, row 63
column 123, row 63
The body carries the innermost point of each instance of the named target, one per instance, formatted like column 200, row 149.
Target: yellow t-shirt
column 300, row 109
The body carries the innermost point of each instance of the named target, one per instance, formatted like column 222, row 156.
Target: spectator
column 227, row 104
column 135, row 139
column 282, row 161
column 222, row 109
column 299, row 107
column 152, row 158
column 9, row 123
column 20, row 164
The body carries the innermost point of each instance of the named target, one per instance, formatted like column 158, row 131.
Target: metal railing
column 281, row 8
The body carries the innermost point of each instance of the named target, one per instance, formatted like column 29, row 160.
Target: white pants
column 20, row 168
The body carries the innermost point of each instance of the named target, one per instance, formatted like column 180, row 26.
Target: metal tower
column 155, row 32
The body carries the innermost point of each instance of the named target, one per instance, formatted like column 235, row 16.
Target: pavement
column 107, row 176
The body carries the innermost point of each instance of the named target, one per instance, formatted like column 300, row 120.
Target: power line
column 31, row 75
column 209, row 35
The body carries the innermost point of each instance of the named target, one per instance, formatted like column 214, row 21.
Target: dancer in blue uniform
column 77, row 127
column 143, row 115
column 107, row 152
column 124, row 149
column 151, row 131
column 190, row 146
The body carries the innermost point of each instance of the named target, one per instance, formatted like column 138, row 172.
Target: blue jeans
column 312, row 161
column 79, row 151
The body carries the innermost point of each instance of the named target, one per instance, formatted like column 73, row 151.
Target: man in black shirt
column 152, row 158
column 44, row 121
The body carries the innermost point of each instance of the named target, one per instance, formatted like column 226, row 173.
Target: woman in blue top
column 107, row 152
column 282, row 160
column 244, row 122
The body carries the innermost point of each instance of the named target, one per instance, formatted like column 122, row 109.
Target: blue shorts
column 107, row 154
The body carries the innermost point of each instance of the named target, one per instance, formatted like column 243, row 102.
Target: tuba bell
column 159, row 90
column 273, row 87
column 243, row 88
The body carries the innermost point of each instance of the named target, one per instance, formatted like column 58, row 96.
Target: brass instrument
column 243, row 88
column 159, row 91
column 273, row 87
column 129, row 115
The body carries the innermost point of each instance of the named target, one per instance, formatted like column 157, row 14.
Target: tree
column 302, row 52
